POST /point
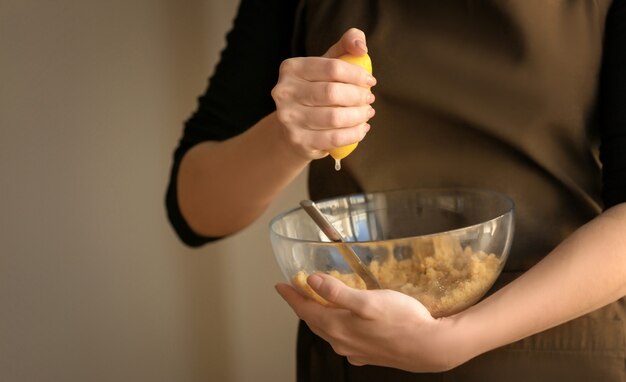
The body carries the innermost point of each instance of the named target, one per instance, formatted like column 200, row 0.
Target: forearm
column 224, row 186
column 585, row 272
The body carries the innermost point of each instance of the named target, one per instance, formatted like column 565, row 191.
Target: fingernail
column 371, row 112
column 315, row 281
column 371, row 98
column 361, row 44
column 371, row 81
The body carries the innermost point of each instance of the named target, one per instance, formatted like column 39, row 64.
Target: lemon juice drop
column 339, row 153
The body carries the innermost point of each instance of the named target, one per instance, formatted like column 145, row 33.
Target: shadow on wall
column 195, row 34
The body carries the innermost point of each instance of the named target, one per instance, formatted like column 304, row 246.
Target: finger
column 356, row 361
column 330, row 138
column 320, row 69
column 352, row 42
column 290, row 295
column 317, row 143
column 315, row 315
column 325, row 117
column 297, row 300
column 336, row 94
column 336, row 292
column 334, row 117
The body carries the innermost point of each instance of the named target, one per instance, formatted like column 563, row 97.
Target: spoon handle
column 346, row 251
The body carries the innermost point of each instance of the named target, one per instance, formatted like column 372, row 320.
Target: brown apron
column 488, row 94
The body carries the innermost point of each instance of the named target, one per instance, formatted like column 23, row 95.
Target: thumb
column 339, row 294
column 352, row 42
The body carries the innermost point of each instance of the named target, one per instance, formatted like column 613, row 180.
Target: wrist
column 435, row 345
column 460, row 339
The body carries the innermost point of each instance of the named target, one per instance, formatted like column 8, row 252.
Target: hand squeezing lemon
column 338, row 153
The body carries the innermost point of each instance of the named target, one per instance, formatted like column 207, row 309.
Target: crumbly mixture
column 437, row 271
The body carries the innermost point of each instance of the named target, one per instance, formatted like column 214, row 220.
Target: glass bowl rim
column 467, row 190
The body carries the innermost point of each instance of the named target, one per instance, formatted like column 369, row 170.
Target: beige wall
column 94, row 286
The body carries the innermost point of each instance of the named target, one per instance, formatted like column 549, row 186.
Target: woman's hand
column 380, row 327
column 323, row 102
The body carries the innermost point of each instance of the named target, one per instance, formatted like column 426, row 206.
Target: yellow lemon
column 363, row 61
column 338, row 153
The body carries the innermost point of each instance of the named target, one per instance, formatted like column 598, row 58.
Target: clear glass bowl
column 444, row 247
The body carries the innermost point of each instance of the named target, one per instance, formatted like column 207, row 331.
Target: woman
column 510, row 96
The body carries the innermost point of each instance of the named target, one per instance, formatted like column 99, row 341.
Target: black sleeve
column 612, row 107
column 239, row 92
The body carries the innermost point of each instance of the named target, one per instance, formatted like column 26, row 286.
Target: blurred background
column 94, row 285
